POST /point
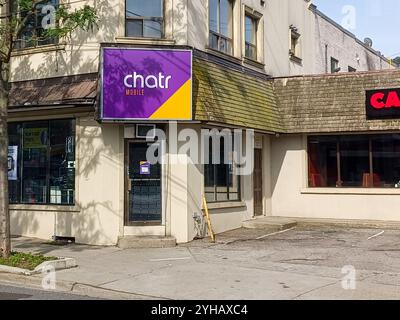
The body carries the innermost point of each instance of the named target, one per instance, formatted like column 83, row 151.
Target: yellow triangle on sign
column 178, row 107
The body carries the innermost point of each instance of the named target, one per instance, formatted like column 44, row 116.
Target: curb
column 62, row 286
column 351, row 224
column 61, row 264
column 93, row 291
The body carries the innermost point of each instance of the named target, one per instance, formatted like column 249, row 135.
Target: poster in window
column 12, row 163
column 144, row 168
column 35, row 138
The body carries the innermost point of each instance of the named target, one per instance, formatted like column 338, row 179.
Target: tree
column 15, row 17
column 397, row 61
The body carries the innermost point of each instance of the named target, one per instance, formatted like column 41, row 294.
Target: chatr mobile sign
column 146, row 84
column 383, row 104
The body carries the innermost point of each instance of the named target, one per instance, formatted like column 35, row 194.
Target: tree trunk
column 5, row 236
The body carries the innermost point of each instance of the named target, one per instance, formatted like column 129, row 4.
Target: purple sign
column 146, row 84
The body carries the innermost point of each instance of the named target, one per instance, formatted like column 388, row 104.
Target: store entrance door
column 143, row 187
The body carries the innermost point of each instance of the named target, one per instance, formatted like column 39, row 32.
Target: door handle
column 129, row 185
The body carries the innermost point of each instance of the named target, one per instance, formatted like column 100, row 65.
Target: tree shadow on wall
column 79, row 56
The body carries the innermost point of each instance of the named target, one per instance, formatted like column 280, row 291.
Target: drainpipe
column 326, row 58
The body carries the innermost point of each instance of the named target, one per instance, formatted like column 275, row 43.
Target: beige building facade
column 73, row 177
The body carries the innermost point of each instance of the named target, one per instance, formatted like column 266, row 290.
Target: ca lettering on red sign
column 384, row 103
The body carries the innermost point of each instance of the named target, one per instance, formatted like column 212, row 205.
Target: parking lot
column 323, row 253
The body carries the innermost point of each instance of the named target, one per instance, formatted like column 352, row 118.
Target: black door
column 143, row 203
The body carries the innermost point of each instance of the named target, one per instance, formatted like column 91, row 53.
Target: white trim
column 145, row 41
column 226, row 205
column 127, row 120
column 44, row 208
column 351, row 191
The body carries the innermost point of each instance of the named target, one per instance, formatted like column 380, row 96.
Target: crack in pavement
column 315, row 289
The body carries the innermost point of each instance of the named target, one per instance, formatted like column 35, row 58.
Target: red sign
column 383, row 104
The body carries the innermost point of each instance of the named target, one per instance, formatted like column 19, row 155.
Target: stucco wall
column 186, row 23
column 100, row 162
column 278, row 15
column 79, row 53
column 294, row 13
column 291, row 198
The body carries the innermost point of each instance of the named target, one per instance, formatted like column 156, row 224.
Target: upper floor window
column 33, row 35
column 221, row 25
column 334, row 65
column 144, row 19
column 251, row 37
column 295, row 50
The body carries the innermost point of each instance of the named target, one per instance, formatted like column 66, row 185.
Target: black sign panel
column 383, row 104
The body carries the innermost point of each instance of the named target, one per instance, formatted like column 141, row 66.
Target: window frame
column 255, row 22
column 371, row 163
column 48, row 164
column 228, row 179
column 219, row 36
column 143, row 19
column 21, row 44
column 295, row 44
column 337, row 69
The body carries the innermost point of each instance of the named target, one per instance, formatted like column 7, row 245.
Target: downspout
column 326, row 58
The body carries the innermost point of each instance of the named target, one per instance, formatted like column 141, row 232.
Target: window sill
column 40, row 49
column 44, row 208
column 225, row 205
column 223, row 55
column 351, row 191
column 253, row 63
column 145, row 41
column 296, row 59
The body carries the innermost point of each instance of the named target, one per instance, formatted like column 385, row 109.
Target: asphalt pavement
column 302, row 263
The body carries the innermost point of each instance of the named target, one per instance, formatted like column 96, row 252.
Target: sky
column 375, row 19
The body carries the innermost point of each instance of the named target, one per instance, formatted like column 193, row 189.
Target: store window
column 354, row 160
column 221, row 180
column 43, row 168
column 221, row 25
column 386, row 160
column 323, row 170
column 359, row 161
column 144, row 19
column 251, row 24
column 33, row 35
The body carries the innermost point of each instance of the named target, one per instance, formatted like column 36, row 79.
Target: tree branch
column 30, row 12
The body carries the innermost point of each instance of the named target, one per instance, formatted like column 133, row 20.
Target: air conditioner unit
column 143, row 130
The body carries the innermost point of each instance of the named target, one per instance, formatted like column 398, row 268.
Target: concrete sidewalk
column 243, row 264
